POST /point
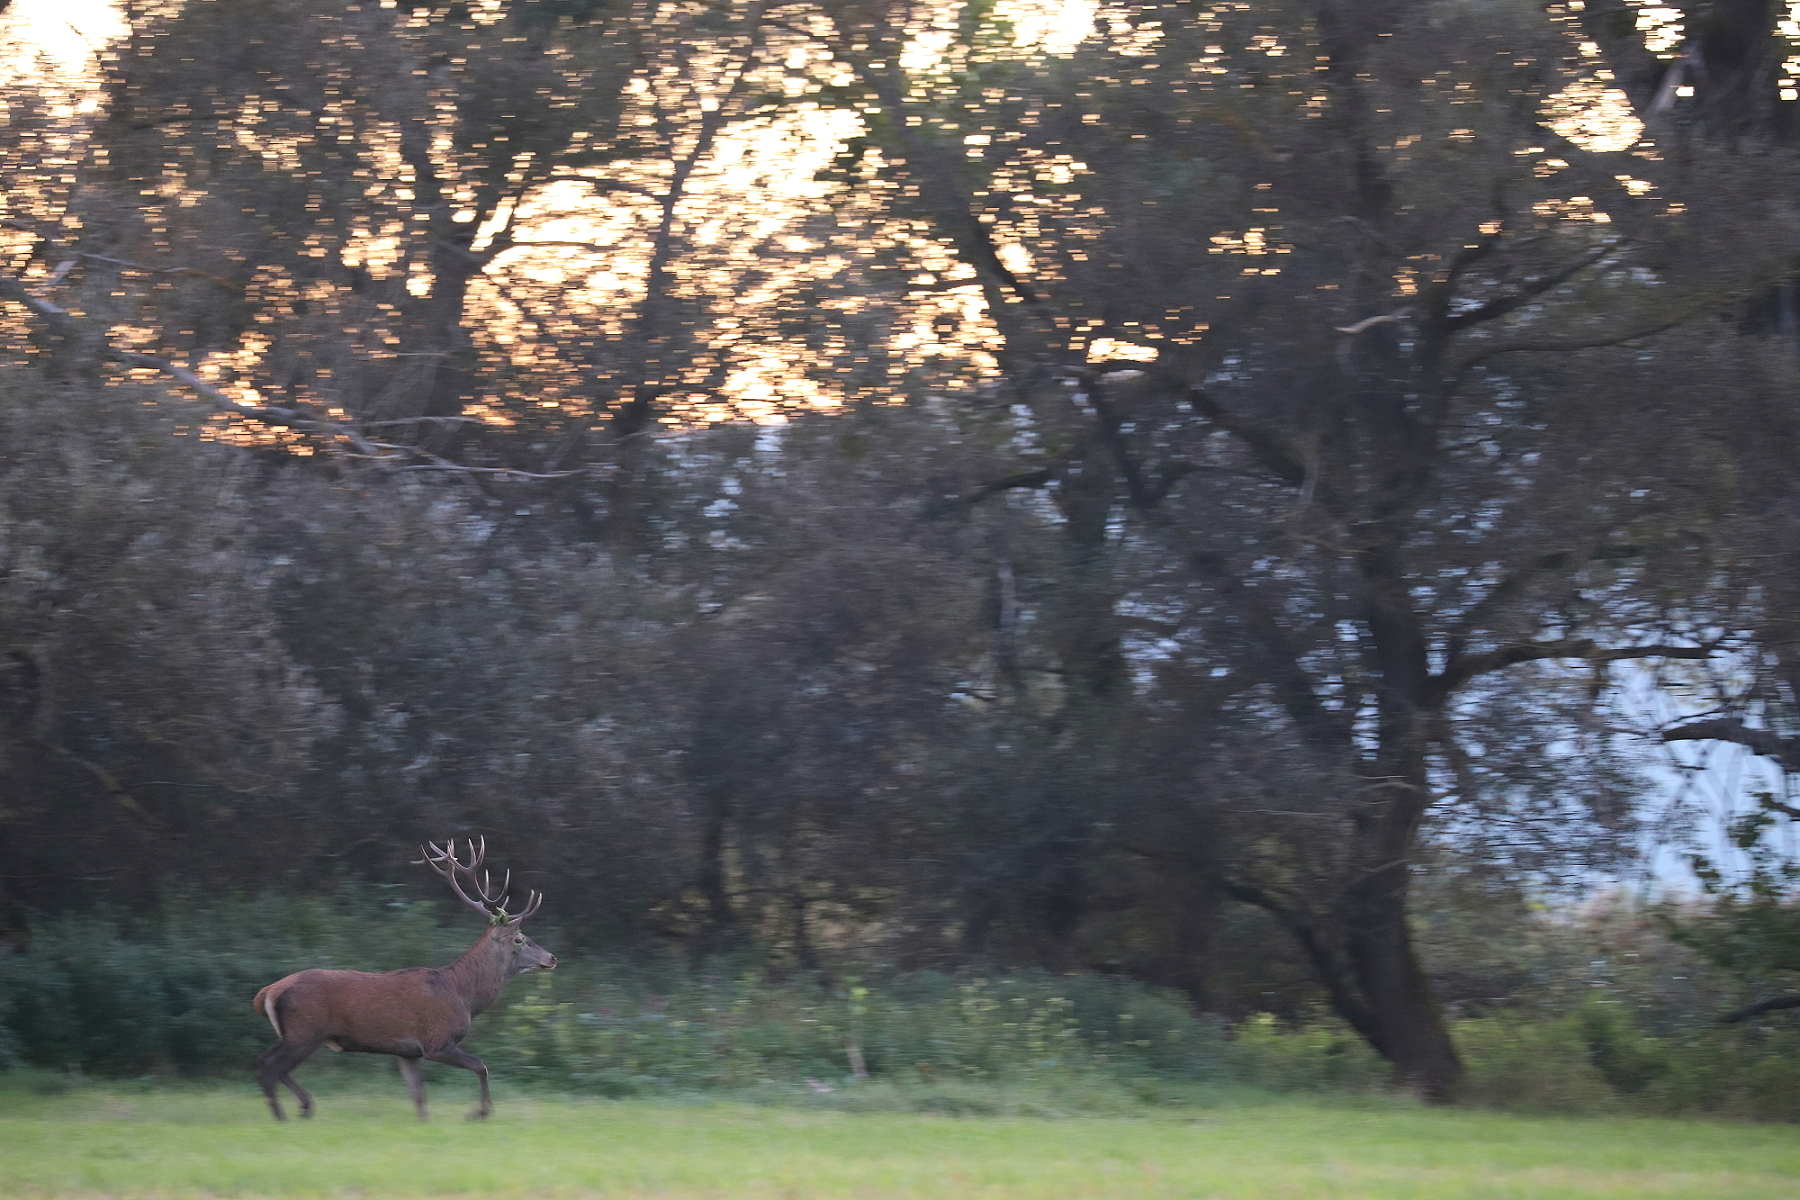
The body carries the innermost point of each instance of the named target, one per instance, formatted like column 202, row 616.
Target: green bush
column 118, row 994
column 1531, row 1066
column 1319, row 1054
column 607, row 1033
column 169, row 994
column 1594, row 1059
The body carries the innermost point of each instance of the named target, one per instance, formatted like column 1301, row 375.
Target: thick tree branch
column 149, row 270
column 1112, row 432
column 1270, row 448
column 1281, row 654
column 109, row 782
column 937, row 178
column 1041, row 477
column 1778, row 1003
column 68, row 327
column 1554, row 345
column 1500, row 306
column 1765, row 742
column 1500, row 595
column 1457, row 674
column 284, row 417
column 61, row 322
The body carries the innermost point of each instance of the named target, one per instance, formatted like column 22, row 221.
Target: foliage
column 112, row 993
column 167, row 994
column 919, row 1029
column 119, row 993
column 1750, row 929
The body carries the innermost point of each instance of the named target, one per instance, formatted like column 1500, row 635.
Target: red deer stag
column 418, row 1012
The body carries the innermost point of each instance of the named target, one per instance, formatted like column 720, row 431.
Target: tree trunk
column 1399, row 1015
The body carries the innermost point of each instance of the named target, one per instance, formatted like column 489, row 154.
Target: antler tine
column 443, row 860
column 492, row 901
column 438, row 855
column 488, row 892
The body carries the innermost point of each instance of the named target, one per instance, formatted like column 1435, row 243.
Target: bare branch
column 285, row 417
column 512, row 472
column 1393, row 318
column 149, row 270
column 1269, row 448
column 1458, row 674
column 1556, row 345
column 602, row 185
column 1500, row 306
column 60, row 320
column 108, row 781
column 1283, row 657
column 1500, row 595
column 993, row 487
column 590, row 247
column 422, row 420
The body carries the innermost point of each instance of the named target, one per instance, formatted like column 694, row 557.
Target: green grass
column 168, row 1142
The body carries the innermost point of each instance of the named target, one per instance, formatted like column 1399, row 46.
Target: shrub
column 118, row 994
column 1317, row 1054
column 169, row 993
column 608, row 1033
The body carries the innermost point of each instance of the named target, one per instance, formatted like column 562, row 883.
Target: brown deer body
column 415, row 1013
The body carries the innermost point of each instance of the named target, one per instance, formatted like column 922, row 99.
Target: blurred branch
column 1778, row 1003
column 1269, row 447
column 105, row 778
column 1500, row 306
column 1765, row 742
column 284, row 417
column 1552, row 345
column 1042, row 477
column 1458, row 673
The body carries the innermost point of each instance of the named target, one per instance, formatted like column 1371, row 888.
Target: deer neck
column 481, row 973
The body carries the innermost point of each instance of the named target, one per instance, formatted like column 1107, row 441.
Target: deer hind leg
column 415, row 1083
column 273, row 1067
column 300, row 1094
column 456, row 1056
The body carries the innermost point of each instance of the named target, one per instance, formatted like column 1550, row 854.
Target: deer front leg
column 415, row 1083
column 456, row 1056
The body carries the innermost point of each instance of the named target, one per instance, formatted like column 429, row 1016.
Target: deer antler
column 488, row 900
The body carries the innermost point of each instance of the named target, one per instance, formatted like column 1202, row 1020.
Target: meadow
column 171, row 1141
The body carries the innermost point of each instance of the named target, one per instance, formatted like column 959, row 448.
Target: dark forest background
column 1237, row 491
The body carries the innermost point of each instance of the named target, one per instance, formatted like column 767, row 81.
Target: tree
column 147, row 700
column 1720, row 70
column 488, row 239
column 1321, row 302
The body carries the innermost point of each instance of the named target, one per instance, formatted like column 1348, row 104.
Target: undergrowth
column 168, row 997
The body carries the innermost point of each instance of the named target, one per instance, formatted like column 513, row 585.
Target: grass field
column 97, row 1141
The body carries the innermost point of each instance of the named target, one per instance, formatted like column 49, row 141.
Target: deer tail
column 265, row 1004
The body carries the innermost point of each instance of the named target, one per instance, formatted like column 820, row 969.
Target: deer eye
column 519, row 941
